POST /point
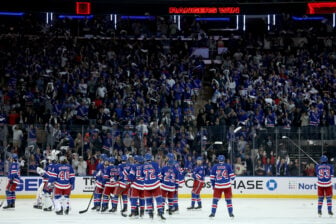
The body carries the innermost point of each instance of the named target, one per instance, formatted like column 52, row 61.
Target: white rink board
column 268, row 187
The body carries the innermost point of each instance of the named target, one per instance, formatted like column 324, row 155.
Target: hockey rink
column 249, row 211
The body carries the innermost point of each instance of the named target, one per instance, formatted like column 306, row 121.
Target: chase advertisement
column 267, row 187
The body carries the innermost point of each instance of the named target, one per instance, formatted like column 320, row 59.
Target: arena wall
column 243, row 187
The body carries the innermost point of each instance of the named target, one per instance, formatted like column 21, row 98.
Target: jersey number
column 64, row 175
column 324, row 173
column 138, row 173
column 221, row 174
column 150, row 174
column 169, row 177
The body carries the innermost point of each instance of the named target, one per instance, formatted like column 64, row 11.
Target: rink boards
column 243, row 187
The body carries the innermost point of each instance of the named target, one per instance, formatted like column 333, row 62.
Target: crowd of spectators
column 108, row 93
column 285, row 81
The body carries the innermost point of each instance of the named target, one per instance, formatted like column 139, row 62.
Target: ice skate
column 47, row 209
column 60, row 212
column 113, row 209
column 319, row 213
column 9, row 206
column 231, row 215
column 124, row 209
column 191, row 207
column 211, row 216
column 151, row 215
column 176, row 210
column 199, row 207
column 142, row 213
column 161, row 216
column 134, row 214
column 104, row 208
column 37, row 206
column 66, row 211
column 330, row 213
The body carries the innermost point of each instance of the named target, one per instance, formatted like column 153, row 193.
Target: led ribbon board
column 321, row 7
column 204, row 10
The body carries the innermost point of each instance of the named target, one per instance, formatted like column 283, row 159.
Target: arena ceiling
column 155, row 7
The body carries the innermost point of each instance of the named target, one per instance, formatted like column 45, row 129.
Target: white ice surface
column 249, row 211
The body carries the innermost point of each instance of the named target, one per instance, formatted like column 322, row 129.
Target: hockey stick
column 83, row 211
column 285, row 137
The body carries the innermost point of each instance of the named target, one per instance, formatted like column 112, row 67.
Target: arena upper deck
column 158, row 7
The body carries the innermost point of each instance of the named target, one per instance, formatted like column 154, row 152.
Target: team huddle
column 55, row 190
column 145, row 181
column 58, row 181
column 139, row 183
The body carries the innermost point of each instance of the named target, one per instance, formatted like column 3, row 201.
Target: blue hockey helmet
column 148, row 157
column 324, row 159
column 103, row 156
column 15, row 156
column 112, row 160
column 123, row 158
column 170, row 156
column 138, row 158
column 106, row 158
column 221, row 158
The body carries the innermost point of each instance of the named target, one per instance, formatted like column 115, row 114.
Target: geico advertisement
column 241, row 185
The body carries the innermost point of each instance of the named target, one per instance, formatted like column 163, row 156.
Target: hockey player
column 99, row 188
column 62, row 177
column 137, row 188
column 169, row 183
column 221, row 176
column 110, row 176
column 123, row 183
column 44, row 197
column 13, row 180
column 324, row 172
column 198, row 176
column 181, row 176
column 39, row 193
column 152, row 176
